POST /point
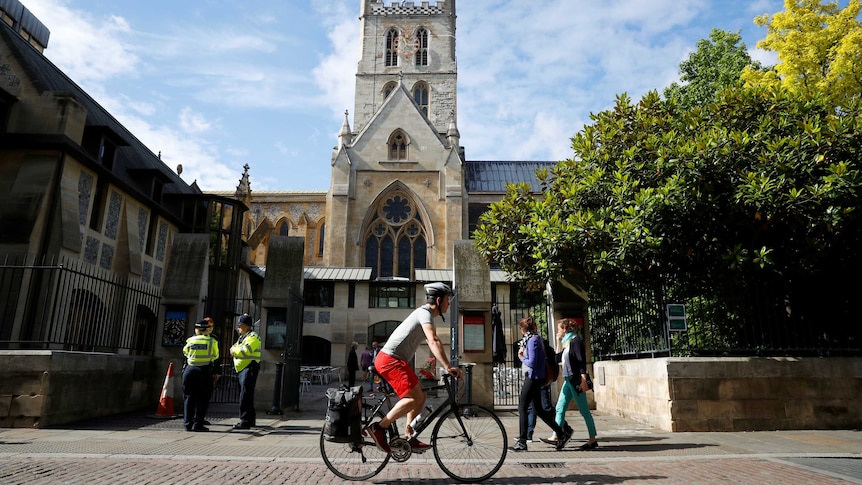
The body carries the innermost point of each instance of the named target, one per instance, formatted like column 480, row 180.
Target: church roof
column 492, row 176
column 131, row 156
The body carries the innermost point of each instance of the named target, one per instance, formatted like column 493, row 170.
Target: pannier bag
column 343, row 414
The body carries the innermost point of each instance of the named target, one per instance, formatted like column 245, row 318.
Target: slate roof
column 491, row 176
column 131, row 154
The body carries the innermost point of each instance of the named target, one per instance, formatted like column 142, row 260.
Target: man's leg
column 409, row 405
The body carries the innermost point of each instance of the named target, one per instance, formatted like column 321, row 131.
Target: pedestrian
column 246, row 361
column 199, row 374
column 393, row 365
column 372, row 375
column 352, row 365
column 574, row 358
column 365, row 363
column 532, row 355
column 531, row 412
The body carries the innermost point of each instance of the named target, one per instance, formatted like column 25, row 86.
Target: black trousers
column 247, row 382
column 531, row 393
column 197, row 390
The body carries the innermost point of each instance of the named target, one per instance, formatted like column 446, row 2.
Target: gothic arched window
column 391, row 49
column 387, row 90
column 398, row 145
column 321, row 233
column 422, row 47
column 395, row 241
column 420, row 95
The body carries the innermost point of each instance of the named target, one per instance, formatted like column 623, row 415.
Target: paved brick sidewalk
column 137, row 449
column 218, row 470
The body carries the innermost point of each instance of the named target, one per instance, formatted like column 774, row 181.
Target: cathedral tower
column 397, row 200
column 409, row 43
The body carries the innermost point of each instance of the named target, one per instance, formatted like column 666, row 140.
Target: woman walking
column 574, row 358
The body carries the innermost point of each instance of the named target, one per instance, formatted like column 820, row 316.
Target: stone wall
column 732, row 394
column 42, row 388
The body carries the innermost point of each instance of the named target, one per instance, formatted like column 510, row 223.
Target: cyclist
column 392, row 363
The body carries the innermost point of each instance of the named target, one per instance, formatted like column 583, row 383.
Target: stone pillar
column 284, row 276
column 472, row 279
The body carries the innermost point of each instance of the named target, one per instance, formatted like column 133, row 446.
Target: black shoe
column 562, row 440
column 589, row 446
column 568, row 429
column 207, row 423
column 200, row 429
column 518, row 446
column 242, row 426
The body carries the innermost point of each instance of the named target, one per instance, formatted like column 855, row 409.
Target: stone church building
column 402, row 191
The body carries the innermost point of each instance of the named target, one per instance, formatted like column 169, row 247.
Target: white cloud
column 86, row 49
column 193, row 123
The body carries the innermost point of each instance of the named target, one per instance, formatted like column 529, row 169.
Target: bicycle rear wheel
column 359, row 460
column 469, row 443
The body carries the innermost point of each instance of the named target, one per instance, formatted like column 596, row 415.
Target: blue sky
column 214, row 85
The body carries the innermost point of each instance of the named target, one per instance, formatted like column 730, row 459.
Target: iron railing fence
column 67, row 304
column 744, row 318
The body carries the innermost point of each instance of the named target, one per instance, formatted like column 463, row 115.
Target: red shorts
column 397, row 373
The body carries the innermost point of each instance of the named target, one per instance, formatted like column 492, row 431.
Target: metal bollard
column 468, row 382
column 276, row 394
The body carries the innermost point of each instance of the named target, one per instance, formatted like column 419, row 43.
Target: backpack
column 343, row 414
column 552, row 368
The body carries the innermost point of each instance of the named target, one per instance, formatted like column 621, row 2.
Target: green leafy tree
column 717, row 62
column 759, row 181
column 819, row 49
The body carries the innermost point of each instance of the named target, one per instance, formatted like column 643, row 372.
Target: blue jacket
column 534, row 357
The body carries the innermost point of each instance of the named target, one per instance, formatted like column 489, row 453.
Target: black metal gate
column 292, row 352
column 508, row 377
column 225, row 313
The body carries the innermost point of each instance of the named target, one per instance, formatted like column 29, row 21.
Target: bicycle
column 468, row 440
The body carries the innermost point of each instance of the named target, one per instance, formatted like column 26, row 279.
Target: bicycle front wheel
column 358, row 460
column 469, row 443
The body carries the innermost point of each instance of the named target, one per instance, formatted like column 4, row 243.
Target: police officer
column 201, row 352
column 246, row 361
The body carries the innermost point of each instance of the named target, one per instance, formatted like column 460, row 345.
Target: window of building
column 391, row 295
column 398, row 142
column 282, row 228
column 387, row 90
column 319, row 293
column 380, row 332
column 420, row 95
column 220, row 230
column 395, row 240
column 321, row 232
column 422, row 47
column 391, row 50
column 106, row 153
column 99, row 202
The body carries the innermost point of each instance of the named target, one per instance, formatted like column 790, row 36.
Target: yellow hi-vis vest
column 246, row 350
column 201, row 350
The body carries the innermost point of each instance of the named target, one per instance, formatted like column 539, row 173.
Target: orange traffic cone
column 166, row 400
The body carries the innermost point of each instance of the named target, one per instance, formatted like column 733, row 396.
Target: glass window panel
column 404, row 257
column 420, row 253
column 227, row 217
column 371, row 255
column 387, row 256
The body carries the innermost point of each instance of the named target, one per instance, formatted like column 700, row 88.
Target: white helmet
column 434, row 290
